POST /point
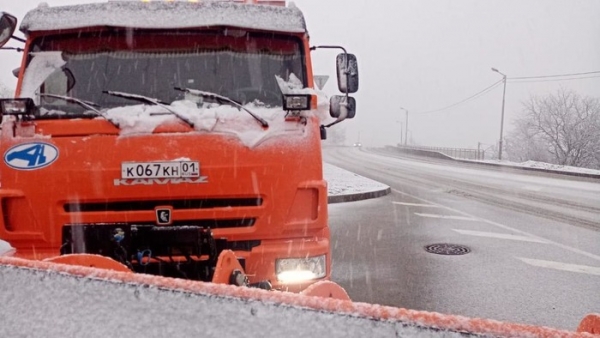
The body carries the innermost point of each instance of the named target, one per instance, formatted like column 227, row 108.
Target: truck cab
column 159, row 134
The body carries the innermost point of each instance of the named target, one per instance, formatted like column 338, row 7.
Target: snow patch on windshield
column 41, row 66
column 294, row 86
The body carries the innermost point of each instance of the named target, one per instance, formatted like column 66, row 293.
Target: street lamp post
column 406, row 127
column 502, row 116
column 401, row 132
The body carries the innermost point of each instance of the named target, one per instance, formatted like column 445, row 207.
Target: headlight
column 20, row 106
column 296, row 102
column 297, row 270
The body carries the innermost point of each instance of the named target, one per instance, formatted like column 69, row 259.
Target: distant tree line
column 561, row 128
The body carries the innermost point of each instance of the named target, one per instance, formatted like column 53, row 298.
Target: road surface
column 534, row 240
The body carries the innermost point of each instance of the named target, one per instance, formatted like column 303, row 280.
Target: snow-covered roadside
column 545, row 166
column 343, row 183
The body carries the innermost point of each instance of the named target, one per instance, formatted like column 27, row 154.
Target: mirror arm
column 347, row 63
column 332, row 123
column 18, row 38
column 14, row 48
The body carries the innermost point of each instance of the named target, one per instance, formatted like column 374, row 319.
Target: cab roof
column 162, row 14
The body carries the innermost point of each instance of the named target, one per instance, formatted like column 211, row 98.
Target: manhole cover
column 447, row 249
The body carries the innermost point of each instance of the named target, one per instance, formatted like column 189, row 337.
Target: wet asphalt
column 533, row 240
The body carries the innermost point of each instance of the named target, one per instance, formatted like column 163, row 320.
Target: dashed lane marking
column 505, row 227
column 500, row 236
column 590, row 270
column 459, row 218
column 532, row 188
column 416, row 205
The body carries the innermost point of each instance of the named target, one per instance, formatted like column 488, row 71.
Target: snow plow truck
column 153, row 136
column 180, row 141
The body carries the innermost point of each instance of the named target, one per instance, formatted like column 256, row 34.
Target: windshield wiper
column 220, row 99
column 150, row 100
column 85, row 104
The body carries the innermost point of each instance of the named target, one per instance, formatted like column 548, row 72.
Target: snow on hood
column 224, row 119
column 214, row 118
column 165, row 14
column 6, row 249
column 41, row 66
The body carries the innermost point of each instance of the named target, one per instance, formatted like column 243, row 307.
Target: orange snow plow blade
column 35, row 295
column 591, row 324
column 92, row 261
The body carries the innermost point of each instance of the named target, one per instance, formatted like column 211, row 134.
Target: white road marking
column 460, row 218
column 531, row 188
column 563, row 246
column 416, row 205
column 499, row 235
column 590, row 270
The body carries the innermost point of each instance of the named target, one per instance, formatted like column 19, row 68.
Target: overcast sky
column 423, row 55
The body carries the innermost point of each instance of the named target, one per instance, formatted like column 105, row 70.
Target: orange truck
column 156, row 136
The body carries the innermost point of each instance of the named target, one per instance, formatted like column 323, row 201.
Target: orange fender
column 226, row 264
column 88, row 260
column 590, row 324
column 326, row 289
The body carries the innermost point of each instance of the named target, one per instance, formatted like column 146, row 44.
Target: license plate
column 178, row 169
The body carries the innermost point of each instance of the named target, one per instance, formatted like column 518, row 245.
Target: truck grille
column 207, row 203
column 211, row 223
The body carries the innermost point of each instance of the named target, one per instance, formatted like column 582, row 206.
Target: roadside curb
column 358, row 196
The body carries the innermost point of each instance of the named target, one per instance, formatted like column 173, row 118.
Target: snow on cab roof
column 162, row 14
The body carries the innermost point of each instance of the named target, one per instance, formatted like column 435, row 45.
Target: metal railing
column 463, row 153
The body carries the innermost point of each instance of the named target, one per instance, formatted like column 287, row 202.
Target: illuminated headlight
column 17, row 106
column 298, row 270
column 296, row 102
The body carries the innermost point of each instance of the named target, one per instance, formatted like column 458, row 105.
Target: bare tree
column 563, row 128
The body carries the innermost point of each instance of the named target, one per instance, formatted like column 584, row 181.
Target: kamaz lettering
column 159, row 181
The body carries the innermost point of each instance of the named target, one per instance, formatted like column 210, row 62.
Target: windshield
column 234, row 63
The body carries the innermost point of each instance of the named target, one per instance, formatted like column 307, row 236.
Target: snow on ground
column 342, row 182
column 545, row 166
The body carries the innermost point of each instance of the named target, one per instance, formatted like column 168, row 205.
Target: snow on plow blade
column 50, row 299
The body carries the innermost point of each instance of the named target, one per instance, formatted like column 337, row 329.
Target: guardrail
column 463, row 153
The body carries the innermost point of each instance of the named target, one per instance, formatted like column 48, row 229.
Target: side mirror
column 342, row 107
column 8, row 23
column 347, row 73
